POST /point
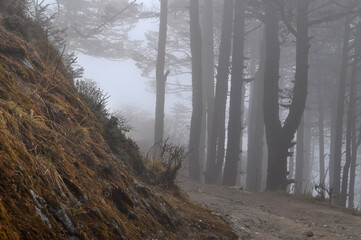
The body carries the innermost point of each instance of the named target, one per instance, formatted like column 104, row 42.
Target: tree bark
column 270, row 98
column 321, row 139
column 355, row 145
column 256, row 127
column 351, row 193
column 196, row 120
column 309, row 150
column 356, row 141
column 208, row 73
column 160, row 79
column 291, row 167
column 214, row 165
column 299, row 186
column 236, row 96
column 279, row 138
column 351, row 122
column 340, row 116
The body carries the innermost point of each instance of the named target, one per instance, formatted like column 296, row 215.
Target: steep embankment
column 58, row 179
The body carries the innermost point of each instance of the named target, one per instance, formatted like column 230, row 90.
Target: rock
column 63, row 218
column 43, row 217
column 116, row 226
column 36, row 199
column 309, row 234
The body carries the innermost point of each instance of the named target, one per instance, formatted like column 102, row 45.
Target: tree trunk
column 321, row 139
column 356, row 141
column 291, row 167
column 270, row 98
column 351, row 189
column 333, row 113
column 300, row 157
column 218, row 119
column 351, row 122
column 220, row 146
column 196, row 120
column 256, row 127
column 279, row 138
column 355, row 145
column 208, row 71
column 340, row 115
column 308, row 157
column 236, row 96
column 160, row 79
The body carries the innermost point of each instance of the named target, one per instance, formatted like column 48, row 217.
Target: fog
column 262, row 95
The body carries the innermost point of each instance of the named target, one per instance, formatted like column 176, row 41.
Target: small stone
column 43, row 217
column 309, row 234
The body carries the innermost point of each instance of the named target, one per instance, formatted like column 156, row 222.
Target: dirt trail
column 275, row 216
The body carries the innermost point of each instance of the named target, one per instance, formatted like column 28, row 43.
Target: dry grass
column 50, row 145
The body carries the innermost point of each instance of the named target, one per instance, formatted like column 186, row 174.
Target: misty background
column 120, row 52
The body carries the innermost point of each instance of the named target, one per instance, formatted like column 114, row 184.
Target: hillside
column 58, row 178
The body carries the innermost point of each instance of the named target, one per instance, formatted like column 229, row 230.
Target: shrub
column 163, row 170
column 94, row 97
column 113, row 125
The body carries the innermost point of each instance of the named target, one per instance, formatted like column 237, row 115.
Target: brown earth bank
column 275, row 215
column 58, row 178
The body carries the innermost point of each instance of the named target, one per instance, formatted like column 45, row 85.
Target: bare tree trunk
column 299, row 186
column 279, row 137
column 270, row 99
column 196, row 121
column 333, row 113
column 161, row 79
column 321, row 139
column 256, row 127
column 356, row 141
column 351, row 122
column 308, row 159
column 208, row 72
column 236, row 96
column 291, row 167
column 355, row 145
column 340, row 115
column 214, row 163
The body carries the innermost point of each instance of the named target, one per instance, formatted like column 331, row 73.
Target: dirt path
column 275, row 216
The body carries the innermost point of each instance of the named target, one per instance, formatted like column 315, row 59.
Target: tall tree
column 216, row 144
column 208, row 73
column 256, row 125
column 351, row 119
column 236, row 95
column 340, row 114
column 196, row 121
column 321, row 138
column 279, row 137
column 161, row 78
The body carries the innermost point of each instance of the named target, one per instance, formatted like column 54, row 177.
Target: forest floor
column 275, row 215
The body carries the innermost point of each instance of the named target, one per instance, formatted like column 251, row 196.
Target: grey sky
column 122, row 80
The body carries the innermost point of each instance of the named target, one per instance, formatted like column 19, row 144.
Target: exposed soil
column 275, row 215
